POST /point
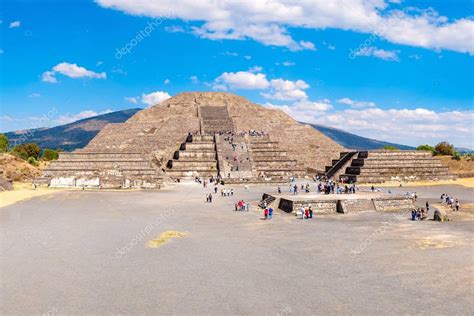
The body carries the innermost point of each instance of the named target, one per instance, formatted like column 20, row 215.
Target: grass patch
column 164, row 237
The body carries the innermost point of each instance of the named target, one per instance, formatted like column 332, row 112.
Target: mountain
column 77, row 134
column 69, row 136
column 352, row 141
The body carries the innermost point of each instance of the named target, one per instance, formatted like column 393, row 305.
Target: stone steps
column 380, row 166
column 390, row 170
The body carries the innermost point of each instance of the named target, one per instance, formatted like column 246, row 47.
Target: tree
column 3, row 143
column 27, row 150
column 50, row 154
column 389, row 147
column 426, row 147
column 444, row 148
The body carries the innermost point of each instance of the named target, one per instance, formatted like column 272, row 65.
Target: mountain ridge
column 78, row 134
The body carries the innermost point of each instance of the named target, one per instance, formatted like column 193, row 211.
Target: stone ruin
column 210, row 134
column 5, row 185
column 199, row 134
column 387, row 165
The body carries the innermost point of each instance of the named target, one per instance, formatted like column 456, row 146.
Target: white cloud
column 15, row 24
column 133, row 100
column 233, row 54
column 405, row 126
column 245, row 80
column 167, row 81
column 48, row 76
column 154, row 97
column 72, row 71
column 307, row 45
column 389, row 55
column 34, row 95
column 255, row 69
column 304, row 110
column 269, row 22
column 69, row 118
column 194, row 79
column 285, row 90
column 174, row 29
column 248, row 57
column 356, row 104
column 287, row 63
column 99, row 63
column 415, row 56
column 1, row 51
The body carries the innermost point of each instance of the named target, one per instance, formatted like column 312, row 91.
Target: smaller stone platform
column 343, row 203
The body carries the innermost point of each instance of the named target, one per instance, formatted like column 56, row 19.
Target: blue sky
column 399, row 71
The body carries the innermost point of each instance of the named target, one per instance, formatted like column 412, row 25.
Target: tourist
column 279, row 190
column 427, row 204
column 270, row 213
column 210, row 198
column 457, row 205
column 295, row 190
column 306, row 213
column 232, row 192
column 247, row 206
column 215, row 189
column 310, row 211
column 265, row 213
column 413, row 215
column 302, row 210
column 423, row 215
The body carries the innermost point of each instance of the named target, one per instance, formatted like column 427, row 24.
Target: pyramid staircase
column 195, row 158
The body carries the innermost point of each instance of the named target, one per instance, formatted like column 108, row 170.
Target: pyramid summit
column 196, row 134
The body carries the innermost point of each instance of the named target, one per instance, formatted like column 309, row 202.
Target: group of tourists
column 332, row 187
column 226, row 192
column 306, row 212
column 242, row 206
column 267, row 213
column 413, row 195
column 419, row 214
column 451, row 202
column 204, row 182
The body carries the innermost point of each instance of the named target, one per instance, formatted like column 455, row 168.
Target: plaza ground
column 89, row 252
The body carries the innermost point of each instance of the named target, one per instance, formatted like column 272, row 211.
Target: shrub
column 49, row 154
column 426, row 147
column 457, row 156
column 26, row 151
column 32, row 161
column 389, row 147
column 444, row 148
column 3, row 143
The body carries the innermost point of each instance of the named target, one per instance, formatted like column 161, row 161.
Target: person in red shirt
column 265, row 213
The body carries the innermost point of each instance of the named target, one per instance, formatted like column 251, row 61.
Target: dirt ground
column 462, row 168
column 23, row 191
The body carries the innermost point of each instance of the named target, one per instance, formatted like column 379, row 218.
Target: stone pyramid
column 196, row 134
